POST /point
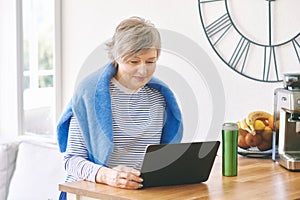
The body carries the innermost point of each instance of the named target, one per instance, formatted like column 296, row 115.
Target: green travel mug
column 229, row 149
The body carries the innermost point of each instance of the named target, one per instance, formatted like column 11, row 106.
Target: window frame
column 57, row 77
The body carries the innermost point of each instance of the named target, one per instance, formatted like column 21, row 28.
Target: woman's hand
column 120, row 176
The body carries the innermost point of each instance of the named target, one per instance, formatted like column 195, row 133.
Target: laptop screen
column 183, row 163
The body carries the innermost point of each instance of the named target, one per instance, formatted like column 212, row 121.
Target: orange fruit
column 253, row 140
column 243, row 132
column 242, row 142
column 264, row 145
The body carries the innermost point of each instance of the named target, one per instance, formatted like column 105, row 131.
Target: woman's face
column 136, row 71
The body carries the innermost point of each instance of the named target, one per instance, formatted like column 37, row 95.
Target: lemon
column 267, row 128
column 267, row 134
column 259, row 125
column 239, row 124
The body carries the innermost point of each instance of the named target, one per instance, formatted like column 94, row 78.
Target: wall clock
column 259, row 39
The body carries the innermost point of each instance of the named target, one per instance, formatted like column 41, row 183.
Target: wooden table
column 257, row 179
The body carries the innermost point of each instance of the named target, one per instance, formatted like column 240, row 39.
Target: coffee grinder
column 286, row 141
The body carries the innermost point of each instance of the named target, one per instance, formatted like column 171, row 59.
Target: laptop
column 176, row 164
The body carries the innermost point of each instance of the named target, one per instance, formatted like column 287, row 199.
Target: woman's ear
column 115, row 64
column 117, row 61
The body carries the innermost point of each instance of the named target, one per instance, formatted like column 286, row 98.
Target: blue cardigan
column 91, row 105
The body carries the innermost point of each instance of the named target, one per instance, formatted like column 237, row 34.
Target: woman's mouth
column 139, row 78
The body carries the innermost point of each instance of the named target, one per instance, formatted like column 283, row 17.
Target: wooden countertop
column 257, row 179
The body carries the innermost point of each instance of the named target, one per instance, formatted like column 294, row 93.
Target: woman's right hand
column 120, row 176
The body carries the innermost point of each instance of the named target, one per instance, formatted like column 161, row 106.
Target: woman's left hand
column 120, row 176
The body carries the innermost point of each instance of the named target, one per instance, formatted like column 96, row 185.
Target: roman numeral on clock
column 219, row 26
column 296, row 48
column 270, row 63
column 240, row 52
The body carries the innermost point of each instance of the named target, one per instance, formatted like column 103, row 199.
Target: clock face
column 259, row 39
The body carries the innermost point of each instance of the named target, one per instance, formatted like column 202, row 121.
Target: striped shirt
column 137, row 118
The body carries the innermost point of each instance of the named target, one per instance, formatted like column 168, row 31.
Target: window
column 39, row 49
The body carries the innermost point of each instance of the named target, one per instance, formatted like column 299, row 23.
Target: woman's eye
column 150, row 62
column 134, row 61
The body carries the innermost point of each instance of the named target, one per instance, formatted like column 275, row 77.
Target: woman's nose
column 142, row 69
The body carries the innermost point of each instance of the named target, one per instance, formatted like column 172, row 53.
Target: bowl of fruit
column 256, row 134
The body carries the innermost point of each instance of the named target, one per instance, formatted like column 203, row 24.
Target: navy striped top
column 137, row 118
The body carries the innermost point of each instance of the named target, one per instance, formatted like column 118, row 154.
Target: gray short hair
column 133, row 36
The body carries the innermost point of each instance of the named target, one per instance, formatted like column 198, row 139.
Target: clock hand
column 270, row 21
column 267, row 64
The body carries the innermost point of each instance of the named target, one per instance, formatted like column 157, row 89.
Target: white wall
column 87, row 24
column 8, row 73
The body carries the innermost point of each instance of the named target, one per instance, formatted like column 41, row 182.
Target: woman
column 118, row 110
